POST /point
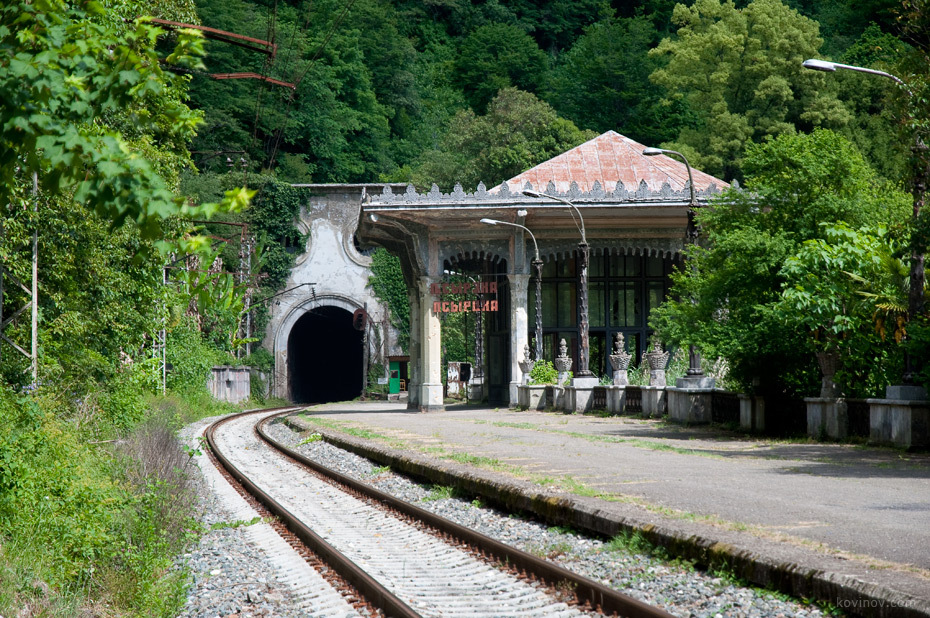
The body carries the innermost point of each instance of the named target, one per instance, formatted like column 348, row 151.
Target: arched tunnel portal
column 325, row 357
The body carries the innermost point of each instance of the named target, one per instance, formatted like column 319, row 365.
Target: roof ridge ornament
column 573, row 191
column 620, row 192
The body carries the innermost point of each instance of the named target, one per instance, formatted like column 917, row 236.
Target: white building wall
column 338, row 272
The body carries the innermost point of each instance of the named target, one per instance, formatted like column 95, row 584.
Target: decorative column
column 519, row 322
column 657, row 358
column 655, row 402
column 827, row 415
column 584, row 377
column 620, row 362
column 478, row 392
column 829, row 363
column 431, row 350
column 537, row 275
column 413, row 350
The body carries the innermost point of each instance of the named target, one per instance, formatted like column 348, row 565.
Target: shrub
column 260, row 359
column 55, row 492
column 83, row 519
column 158, row 521
column 543, row 372
column 190, row 359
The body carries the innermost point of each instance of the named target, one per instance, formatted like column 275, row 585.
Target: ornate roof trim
column 620, row 194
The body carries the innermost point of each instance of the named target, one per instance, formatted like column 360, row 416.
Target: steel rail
column 586, row 591
column 370, row 588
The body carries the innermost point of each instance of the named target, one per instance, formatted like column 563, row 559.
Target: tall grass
column 93, row 512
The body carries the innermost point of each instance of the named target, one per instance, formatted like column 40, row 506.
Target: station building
column 633, row 210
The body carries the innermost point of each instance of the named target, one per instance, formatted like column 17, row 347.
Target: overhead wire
column 290, row 101
column 266, row 68
column 286, row 63
column 291, row 47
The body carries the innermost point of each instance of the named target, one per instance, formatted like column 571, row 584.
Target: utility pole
column 34, row 302
column 32, row 293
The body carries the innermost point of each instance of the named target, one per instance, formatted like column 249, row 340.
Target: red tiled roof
column 609, row 158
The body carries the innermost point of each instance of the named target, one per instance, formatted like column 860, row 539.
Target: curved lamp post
column 537, row 267
column 694, row 357
column 917, row 276
column 830, row 67
column 584, row 250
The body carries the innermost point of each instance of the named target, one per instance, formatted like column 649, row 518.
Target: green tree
column 872, row 126
column 98, row 299
column 272, row 217
column 553, row 23
column 846, row 290
column 556, row 24
column 64, row 75
column 738, row 70
column 334, row 127
column 498, row 56
column 726, row 299
column 89, row 112
column 518, row 132
column 843, row 21
column 602, row 83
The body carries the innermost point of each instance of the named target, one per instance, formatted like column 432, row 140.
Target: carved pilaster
column 519, row 284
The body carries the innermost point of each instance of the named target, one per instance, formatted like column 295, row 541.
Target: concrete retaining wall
column 899, row 423
column 689, row 405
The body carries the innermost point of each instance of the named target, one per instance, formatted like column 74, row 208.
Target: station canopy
column 630, row 203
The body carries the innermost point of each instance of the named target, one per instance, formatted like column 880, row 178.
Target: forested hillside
column 406, row 90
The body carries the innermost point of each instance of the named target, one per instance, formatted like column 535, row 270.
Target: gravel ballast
column 232, row 570
column 675, row 587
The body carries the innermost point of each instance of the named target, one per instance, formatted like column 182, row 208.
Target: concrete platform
column 845, row 524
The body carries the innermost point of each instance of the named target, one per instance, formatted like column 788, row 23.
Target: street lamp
column 651, row 152
column 584, row 250
column 537, row 267
column 694, row 357
column 830, row 67
column 916, row 292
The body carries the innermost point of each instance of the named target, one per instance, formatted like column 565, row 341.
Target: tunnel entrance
column 324, row 354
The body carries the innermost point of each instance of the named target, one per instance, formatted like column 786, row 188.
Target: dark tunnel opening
column 324, row 357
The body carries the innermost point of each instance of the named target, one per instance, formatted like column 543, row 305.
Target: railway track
column 390, row 556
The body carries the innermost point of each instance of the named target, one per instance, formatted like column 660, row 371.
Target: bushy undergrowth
column 190, row 358
column 96, row 500
column 543, row 372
